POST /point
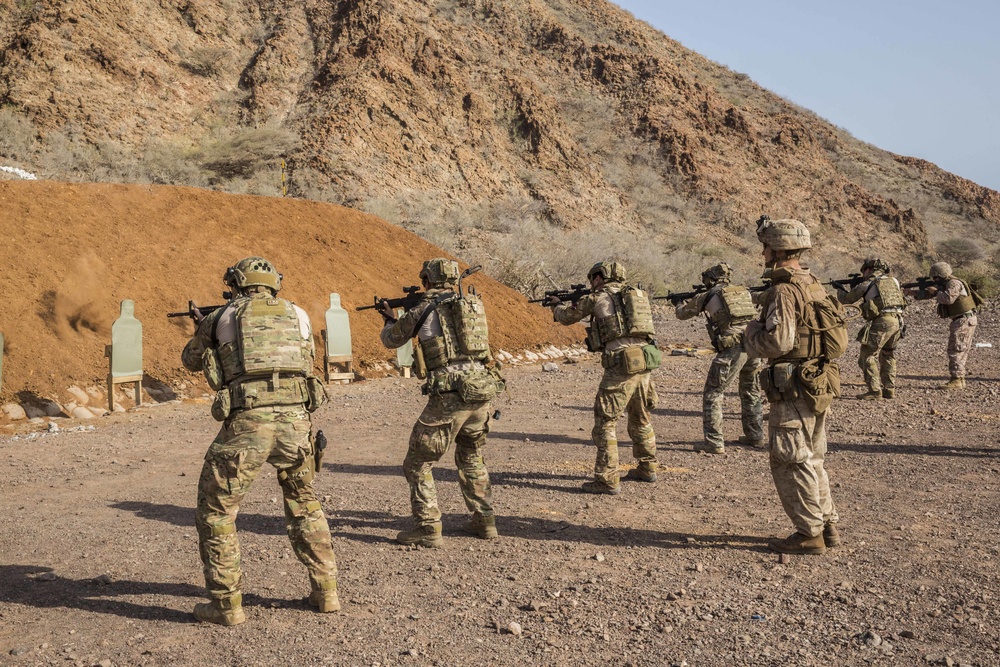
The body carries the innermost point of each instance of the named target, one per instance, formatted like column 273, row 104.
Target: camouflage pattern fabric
column 798, row 447
column 278, row 435
column 446, row 419
column 726, row 366
column 878, row 352
column 623, row 394
column 962, row 330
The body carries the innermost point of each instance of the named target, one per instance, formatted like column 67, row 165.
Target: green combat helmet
column 439, row 272
column 612, row 272
column 720, row 273
column 253, row 272
column 786, row 234
column 876, row 265
column 940, row 270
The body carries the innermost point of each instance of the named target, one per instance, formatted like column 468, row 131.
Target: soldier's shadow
column 35, row 586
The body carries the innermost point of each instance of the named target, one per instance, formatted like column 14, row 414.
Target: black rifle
column 412, row 298
column 204, row 310
column 680, row 297
column 850, row 282
column 319, row 445
column 922, row 283
column 573, row 294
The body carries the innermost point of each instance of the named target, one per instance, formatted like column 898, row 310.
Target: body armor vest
column 464, row 333
column 962, row 304
column 737, row 308
column 633, row 317
column 888, row 295
column 269, row 360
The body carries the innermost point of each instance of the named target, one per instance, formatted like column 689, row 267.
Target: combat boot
column 483, row 527
column 601, row 487
column 759, row 443
column 797, row 543
column 888, row 393
column 870, row 395
column 223, row 611
column 709, row 449
column 324, row 597
column 954, row 383
column 425, row 536
column 831, row 536
column 640, row 475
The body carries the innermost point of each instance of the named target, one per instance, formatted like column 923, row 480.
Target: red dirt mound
column 75, row 251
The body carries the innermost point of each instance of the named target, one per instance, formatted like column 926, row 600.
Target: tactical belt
column 968, row 313
column 892, row 311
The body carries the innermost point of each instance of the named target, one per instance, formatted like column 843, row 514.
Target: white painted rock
column 14, row 411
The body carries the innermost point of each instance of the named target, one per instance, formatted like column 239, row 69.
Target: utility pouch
column 864, row 333
column 593, row 339
column 222, row 405
column 783, row 381
column 652, row 355
column 869, row 309
column 820, row 382
column 477, row 387
column 634, row 359
column 212, row 368
column 316, row 393
column 723, row 343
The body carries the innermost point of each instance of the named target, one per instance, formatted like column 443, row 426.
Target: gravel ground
column 100, row 560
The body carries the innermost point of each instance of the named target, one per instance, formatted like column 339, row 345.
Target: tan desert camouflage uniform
column 730, row 362
column 278, row 434
column 962, row 328
column 797, row 434
column 632, row 395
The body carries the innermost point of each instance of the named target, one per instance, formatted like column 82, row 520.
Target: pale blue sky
column 914, row 77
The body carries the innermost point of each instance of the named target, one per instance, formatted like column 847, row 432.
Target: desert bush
column 244, row 152
column 206, row 61
column 961, row 252
column 17, row 134
column 981, row 280
column 171, row 164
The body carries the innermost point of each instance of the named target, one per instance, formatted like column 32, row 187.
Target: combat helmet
column 785, row 234
column 940, row 270
column 876, row 264
column 716, row 274
column 612, row 272
column 440, row 271
column 251, row 272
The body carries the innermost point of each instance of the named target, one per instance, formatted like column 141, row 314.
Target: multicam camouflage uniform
column 621, row 392
column 728, row 309
column 453, row 339
column 882, row 306
column 258, row 351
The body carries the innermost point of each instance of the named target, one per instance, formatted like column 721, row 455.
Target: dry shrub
column 17, row 134
column 242, row 153
column 961, row 251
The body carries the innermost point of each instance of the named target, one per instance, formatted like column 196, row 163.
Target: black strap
column 431, row 308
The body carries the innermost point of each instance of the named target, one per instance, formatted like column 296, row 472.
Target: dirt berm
column 73, row 252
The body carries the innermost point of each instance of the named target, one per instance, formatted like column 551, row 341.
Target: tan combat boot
column 888, row 393
column 640, row 475
column 483, row 527
column 797, row 543
column 954, row 383
column 709, row 449
column 870, row 395
column 759, row 443
column 223, row 611
column 601, row 487
column 831, row 536
column 325, row 599
column 424, row 536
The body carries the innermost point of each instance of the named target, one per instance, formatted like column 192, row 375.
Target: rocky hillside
column 533, row 135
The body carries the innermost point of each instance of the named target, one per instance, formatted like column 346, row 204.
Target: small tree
column 961, row 251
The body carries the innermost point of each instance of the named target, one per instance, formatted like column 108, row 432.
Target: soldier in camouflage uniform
column 258, row 352
column 621, row 328
column 956, row 302
column 882, row 306
column 453, row 350
column 727, row 308
column 796, row 428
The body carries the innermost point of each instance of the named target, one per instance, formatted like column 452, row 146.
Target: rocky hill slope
column 530, row 134
column 75, row 251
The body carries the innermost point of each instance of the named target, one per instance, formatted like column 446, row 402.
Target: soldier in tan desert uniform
column 956, row 302
column 454, row 351
column 798, row 384
column 882, row 306
column 621, row 329
column 258, row 352
column 727, row 308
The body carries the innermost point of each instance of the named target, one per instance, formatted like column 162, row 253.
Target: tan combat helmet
column 720, row 273
column 612, row 272
column 251, row 272
column 876, row 264
column 940, row 270
column 786, row 234
column 439, row 272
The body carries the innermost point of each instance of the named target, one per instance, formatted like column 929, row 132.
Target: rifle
column 850, row 282
column 923, row 282
column 573, row 294
column 680, row 297
column 319, row 445
column 412, row 298
column 204, row 310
